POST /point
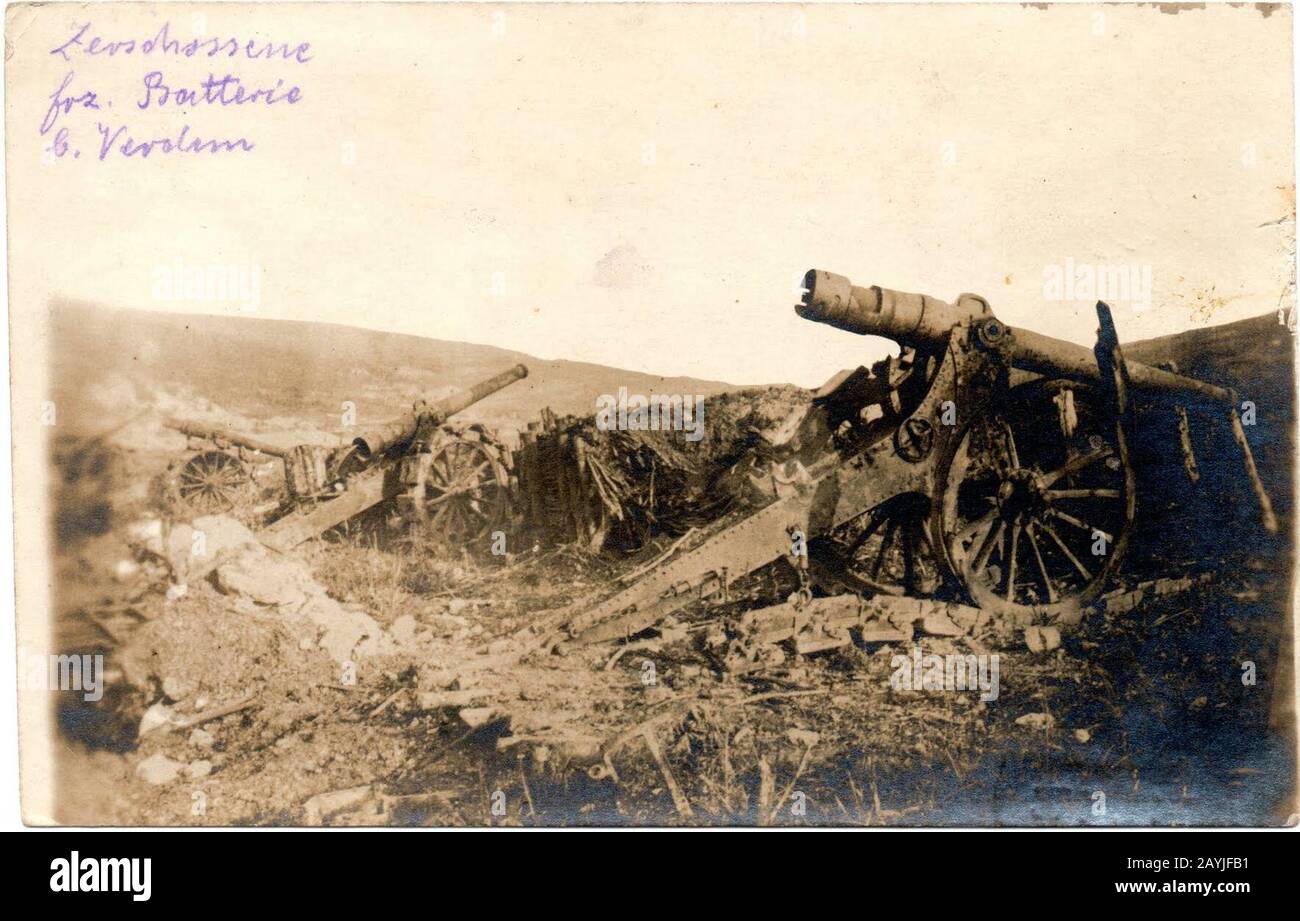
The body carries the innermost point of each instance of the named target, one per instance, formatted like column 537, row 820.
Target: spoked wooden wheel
column 213, row 482
column 889, row 550
column 466, row 493
column 1037, row 501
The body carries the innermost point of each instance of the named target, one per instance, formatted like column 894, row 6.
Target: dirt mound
column 205, row 651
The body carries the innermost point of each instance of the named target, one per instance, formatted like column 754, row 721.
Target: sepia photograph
column 644, row 415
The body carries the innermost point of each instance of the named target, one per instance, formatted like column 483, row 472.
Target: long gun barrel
column 920, row 320
column 403, row 428
column 198, row 430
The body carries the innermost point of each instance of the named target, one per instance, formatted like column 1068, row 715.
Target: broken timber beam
column 362, row 492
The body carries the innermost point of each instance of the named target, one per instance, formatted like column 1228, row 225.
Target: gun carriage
column 983, row 464
column 452, row 480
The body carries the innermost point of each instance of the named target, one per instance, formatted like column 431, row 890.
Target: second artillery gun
column 454, row 481
column 989, row 462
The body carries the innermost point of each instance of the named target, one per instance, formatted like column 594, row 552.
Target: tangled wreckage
column 984, row 465
column 455, row 480
column 985, row 470
column 979, row 490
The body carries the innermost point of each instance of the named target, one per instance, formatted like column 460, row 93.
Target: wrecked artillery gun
column 454, row 481
column 983, row 464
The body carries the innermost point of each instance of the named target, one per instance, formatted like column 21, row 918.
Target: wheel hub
column 1022, row 492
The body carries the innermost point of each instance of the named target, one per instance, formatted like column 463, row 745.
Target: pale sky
column 646, row 183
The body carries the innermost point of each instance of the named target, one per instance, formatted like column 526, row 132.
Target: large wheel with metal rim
column 1036, row 502
column 466, row 492
column 213, row 481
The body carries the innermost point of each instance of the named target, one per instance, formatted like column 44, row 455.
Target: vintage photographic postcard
column 516, row 415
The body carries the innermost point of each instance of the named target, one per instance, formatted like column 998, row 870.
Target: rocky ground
column 367, row 682
column 375, row 678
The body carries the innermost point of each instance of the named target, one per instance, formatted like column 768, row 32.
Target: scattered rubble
column 159, row 769
column 260, row 680
column 324, row 806
column 364, row 681
column 1042, row 639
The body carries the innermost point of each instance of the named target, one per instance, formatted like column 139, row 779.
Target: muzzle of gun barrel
column 907, row 318
column 828, row 298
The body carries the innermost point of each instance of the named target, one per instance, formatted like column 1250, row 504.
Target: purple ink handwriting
column 183, row 142
column 226, row 91
column 63, row 100
column 160, row 93
column 162, row 43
